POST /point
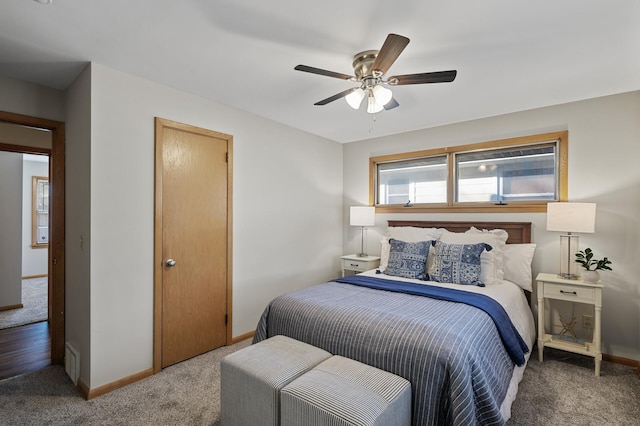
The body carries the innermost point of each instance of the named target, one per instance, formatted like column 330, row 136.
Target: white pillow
column 501, row 235
column 517, row 264
column 410, row 234
column 384, row 252
column 490, row 261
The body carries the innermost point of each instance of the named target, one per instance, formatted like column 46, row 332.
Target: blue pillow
column 408, row 260
column 458, row 263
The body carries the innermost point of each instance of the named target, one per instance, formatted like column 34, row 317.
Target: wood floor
column 24, row 349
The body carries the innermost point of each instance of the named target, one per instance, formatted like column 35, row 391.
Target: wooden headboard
column 519, row 232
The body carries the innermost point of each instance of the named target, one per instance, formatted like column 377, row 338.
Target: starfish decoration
column 568, row 327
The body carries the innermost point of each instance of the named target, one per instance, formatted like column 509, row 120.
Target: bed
column 461, row 338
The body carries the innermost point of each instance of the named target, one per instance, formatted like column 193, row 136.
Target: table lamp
column 362, row 216
column 570, row 217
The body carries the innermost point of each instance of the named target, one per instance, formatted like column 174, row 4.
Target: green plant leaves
column 586, row 260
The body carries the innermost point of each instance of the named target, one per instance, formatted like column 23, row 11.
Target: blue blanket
column 513, row 343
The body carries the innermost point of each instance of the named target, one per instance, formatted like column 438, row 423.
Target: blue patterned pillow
column 408, row 260
column 458, row 263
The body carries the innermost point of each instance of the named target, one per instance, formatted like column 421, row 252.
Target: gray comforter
column 450, row 352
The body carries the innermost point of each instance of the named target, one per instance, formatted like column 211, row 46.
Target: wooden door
column 193, row 266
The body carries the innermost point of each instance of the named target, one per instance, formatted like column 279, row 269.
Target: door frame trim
column 56, row 261
column 160, row 125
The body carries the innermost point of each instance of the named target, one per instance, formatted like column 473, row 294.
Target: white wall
column 603, row 168
column 25, row 98
column 287, row 213
column 77, row 219
column 34, row 260
column 10, row 229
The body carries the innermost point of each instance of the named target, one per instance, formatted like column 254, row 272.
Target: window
column 40, row 212
column 520, row 174
column 422, row 180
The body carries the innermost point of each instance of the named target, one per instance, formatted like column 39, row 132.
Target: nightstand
column 550, row 286
column 355, row 263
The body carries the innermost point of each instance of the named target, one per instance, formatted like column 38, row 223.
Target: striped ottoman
column 341, row 391
column 251, row 379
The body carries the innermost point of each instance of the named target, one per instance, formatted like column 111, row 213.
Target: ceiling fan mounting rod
column 370, row 82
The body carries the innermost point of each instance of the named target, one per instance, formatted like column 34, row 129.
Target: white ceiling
column 511, row 55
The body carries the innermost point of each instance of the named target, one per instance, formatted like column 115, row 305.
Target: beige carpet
column 187, row 393
column 34, row 299
column 560, row 391
column 563, row 390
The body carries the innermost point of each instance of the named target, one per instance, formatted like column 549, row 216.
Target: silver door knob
column 170, row 262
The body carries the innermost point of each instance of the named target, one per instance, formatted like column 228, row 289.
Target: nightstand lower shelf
column 586, row 348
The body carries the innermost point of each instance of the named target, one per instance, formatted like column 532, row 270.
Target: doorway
column 56, row 259
column 192, row 272
column 24, row 224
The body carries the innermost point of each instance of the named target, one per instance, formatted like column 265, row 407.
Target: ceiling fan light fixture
column 354, row 99
column 372, row 106
column 382, row 95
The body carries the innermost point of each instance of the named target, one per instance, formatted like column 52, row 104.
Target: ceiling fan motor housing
column 362, row 63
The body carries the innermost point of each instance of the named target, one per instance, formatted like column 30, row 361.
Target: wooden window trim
column 512, row 207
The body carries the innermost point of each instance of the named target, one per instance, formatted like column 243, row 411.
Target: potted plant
column 591, row 265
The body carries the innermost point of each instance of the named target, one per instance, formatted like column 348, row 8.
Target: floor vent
column 71, row 362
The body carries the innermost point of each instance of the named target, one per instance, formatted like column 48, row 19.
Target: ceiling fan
column 369, row 68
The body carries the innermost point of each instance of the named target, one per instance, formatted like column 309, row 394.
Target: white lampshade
column 571, row 217
column 354, row 99
column 372, row 105
column 362, row 216
column 382, row 95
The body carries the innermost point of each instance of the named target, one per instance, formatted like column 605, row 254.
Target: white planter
column 590, row 276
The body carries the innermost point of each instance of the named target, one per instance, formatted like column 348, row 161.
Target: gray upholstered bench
column 341, row 391
column 251, row 379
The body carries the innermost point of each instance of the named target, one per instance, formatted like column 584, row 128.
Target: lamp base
column 363, row 231
column 568, row 246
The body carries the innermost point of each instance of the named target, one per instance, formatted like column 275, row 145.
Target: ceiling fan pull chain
column 373, row 121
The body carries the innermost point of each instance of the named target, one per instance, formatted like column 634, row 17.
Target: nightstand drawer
column 571, row 293
column 357, row 265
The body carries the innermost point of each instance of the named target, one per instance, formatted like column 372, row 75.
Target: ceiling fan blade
column 391, row 104
column 389, row 52
column 427, row 77
column 314, row 70
column 336, row 97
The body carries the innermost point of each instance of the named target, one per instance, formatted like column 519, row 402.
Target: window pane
column 43, row 235
column 40, row 211
column 43, row 196
column 420, row 180
column 514, row 174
